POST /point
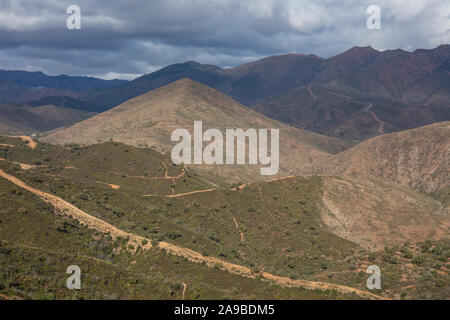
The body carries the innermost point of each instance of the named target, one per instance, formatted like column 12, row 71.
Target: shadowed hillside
column 19, row 119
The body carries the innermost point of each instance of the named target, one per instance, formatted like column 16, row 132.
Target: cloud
column 124, row 39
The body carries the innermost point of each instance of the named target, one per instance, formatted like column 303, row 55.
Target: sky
column 127, row 38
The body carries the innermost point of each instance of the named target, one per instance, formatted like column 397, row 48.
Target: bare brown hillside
column 148, row 120
column 377, row 214
column 417, row 158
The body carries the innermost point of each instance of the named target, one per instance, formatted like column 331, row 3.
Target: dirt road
column 113, row 186
column 184, row 290
column 28, row 139
column 67, row 208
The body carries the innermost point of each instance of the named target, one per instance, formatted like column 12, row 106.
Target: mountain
column 417, row 158
column 13, row 92
column 337, row 113
column 271, row 76
column 245, row 83
column 330, row 96
column 354, row 95
column 20, row 119
column 398, row 75
column 149, row 119
column 363, row 93
column 22, row 86
column 39, row 79
column 108, row 98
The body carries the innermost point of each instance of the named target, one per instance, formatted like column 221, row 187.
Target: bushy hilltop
column 282, row 233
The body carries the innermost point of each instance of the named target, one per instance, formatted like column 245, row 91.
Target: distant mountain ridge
column 21, row 119
column 40, row 79
column 246, row 83
column 329, row 96
column 22, row 86
column 354, row 95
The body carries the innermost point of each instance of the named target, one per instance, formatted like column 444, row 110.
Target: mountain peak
column 360, row 51
column 183, row 84
column 366, row 48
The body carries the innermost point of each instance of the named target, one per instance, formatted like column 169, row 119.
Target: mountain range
column 86, row 177
column 354, row 95
column 18, row 86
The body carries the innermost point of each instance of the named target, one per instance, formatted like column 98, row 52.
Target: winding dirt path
column 2, row 296
column 31, row 143
column 166, row 175
column 242, row 186
column 135, row 240
column 68, row 209
column 237, row 229
column 23, row 166
column 184, row 290
column 311, row 93
column 375, row 117
column 235, row 223
column 113, row 186
column 182, row 194
column 340, row 95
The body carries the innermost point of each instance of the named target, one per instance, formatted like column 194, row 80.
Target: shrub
column 213, row 236
column 22, row 210
column 419, row 259
column 173, row 235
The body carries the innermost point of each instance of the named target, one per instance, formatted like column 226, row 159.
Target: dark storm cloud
column 128, row 38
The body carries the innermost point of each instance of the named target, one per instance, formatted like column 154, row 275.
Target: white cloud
column 306, row 16
column 122, row 39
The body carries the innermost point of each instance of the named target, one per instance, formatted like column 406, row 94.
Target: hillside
column 277, row 234
column 149, row 120
column 377, row 214
column 20, row 119
column 417, row 158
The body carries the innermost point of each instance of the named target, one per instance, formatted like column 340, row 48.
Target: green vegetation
column 274, row 227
